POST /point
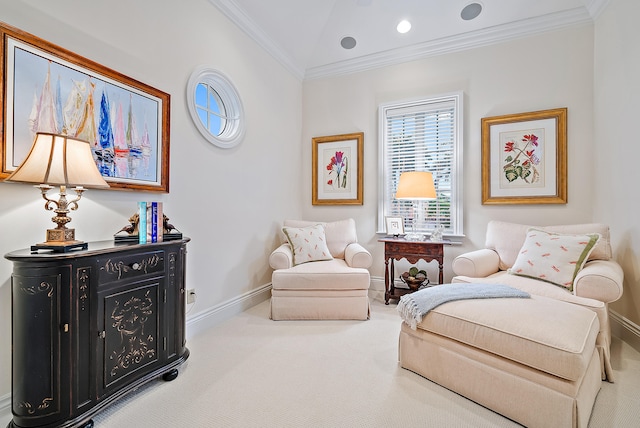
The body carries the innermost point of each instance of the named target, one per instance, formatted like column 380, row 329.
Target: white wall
column 230, row 202
column 617, row 108
column 542, row 72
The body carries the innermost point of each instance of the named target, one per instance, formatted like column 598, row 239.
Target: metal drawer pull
column 136, row 266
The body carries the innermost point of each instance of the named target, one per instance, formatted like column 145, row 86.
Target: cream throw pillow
column 553, row 257
column 308, row 244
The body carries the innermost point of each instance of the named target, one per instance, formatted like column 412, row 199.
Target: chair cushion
column 323, row 275
column 551, row 291
column 560, row 341
column 308, row 244
column 553, row 257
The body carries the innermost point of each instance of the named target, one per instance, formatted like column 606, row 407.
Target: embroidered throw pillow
column 308, row 244
column 553, row 257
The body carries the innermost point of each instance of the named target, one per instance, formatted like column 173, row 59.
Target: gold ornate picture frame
column 524, row 158
column 337, row 169
column 46, row 88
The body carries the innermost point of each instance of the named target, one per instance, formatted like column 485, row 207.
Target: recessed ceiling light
column 403, row 26
column 471, row 11
column 348, row 42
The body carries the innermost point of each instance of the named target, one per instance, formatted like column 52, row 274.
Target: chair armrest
column 281, row 257
column 356, row 256
column 600, row 280
column 476, row 264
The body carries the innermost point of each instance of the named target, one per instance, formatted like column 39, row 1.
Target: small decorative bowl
column 414, row 283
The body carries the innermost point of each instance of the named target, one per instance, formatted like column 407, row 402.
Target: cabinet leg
column 88, row 424
column 170, row 375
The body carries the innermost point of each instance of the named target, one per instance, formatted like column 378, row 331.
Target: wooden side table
column 399, row 248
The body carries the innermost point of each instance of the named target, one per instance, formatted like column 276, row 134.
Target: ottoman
column 531, row 360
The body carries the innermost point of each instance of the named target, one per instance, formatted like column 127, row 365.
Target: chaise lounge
column 598, row 283
column 540, row 360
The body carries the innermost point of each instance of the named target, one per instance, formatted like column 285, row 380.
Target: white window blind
column 423, row 135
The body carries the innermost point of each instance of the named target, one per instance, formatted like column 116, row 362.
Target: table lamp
column 415, row 186
column 59, row 160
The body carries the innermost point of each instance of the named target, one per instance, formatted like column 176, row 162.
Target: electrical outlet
column 191, row 295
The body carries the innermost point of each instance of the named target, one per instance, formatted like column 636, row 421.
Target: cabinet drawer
column 130, row 266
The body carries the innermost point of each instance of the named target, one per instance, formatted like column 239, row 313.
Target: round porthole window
column 215, row 107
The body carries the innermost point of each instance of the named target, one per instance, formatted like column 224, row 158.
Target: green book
column 142, row 222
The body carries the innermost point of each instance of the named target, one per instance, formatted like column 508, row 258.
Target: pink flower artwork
column 523, row 159
column 337, row 169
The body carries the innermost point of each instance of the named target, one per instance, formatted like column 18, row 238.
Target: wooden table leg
column 386, row 281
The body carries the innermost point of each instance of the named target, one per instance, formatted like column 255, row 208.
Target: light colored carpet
column 254, row 372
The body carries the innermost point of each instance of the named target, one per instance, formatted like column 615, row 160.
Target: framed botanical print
column 524, row 158
column 337, row 169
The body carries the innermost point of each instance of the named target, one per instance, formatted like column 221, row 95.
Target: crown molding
column 237, row 15
column 595, row 7
column 485, row 37
column 474, row 39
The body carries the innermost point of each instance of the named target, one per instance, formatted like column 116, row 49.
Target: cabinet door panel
column 36, row 346
column 131, row 339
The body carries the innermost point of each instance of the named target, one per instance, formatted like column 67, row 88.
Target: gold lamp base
column 60, row 234
column 60, row 240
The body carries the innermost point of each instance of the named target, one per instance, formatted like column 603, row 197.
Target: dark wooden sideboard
column 89, row 326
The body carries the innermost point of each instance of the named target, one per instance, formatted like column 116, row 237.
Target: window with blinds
column 423, row 135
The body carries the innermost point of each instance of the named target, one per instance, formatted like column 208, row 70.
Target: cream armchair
column 598, row 283
column 334, row 286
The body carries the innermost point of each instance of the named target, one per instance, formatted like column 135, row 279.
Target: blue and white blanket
column 413, row 307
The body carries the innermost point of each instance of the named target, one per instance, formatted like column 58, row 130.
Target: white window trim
column 235, row 127
column 456, row 171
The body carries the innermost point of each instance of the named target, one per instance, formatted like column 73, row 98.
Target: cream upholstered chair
column 311, row 281
column 598, row 283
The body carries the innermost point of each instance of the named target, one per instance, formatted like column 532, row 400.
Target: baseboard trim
column 376, row 288
column 5, row 407
column 225, row 310
column 625, row 329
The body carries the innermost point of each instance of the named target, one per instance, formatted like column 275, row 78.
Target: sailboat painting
column 125, row 121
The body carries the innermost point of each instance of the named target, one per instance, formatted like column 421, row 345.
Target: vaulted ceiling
column 306, row 36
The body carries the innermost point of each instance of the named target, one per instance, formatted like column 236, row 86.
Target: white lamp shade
column 61, row 161
column 416, row 185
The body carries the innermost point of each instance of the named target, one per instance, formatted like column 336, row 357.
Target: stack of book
column 151, row 224
column 148, row 224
